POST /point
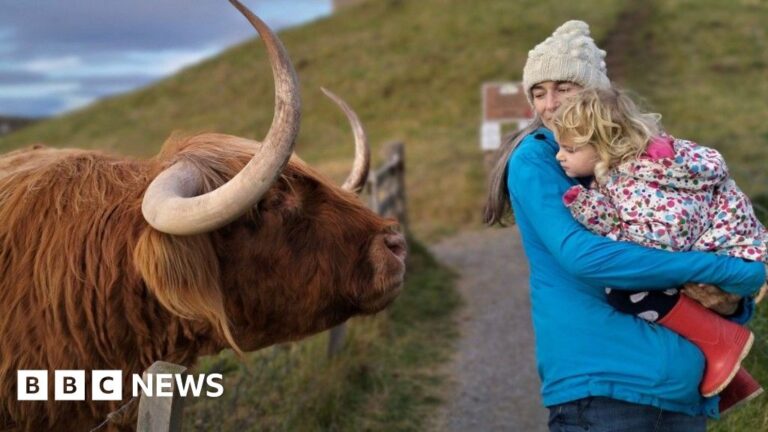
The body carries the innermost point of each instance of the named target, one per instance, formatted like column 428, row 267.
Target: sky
column 60, row 55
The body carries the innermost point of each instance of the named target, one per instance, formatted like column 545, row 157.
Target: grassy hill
column 10, row 124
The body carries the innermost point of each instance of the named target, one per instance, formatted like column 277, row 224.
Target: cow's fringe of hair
column 182, row 272
column 187, row 283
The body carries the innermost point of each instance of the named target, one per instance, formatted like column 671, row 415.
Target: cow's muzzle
column 388, row 252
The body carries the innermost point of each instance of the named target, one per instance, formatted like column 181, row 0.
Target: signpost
column 504, row 105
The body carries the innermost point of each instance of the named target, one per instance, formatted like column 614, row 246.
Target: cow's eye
column 270, row 202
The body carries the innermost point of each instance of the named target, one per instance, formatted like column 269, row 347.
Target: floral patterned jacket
column 677, row 196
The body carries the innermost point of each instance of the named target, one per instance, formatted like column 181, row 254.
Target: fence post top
column 165, row 367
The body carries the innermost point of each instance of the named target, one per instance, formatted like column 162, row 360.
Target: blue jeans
column 601, row 414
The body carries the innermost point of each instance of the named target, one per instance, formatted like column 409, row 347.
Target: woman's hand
column 763, row 289
column 761, row 293
column 713, row 297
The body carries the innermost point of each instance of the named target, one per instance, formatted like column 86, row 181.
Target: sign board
column 490, row 135
column 503, row 103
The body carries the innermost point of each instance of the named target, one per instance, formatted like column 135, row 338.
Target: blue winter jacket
column 583, row 346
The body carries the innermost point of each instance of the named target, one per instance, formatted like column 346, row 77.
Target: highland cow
column 217, row 242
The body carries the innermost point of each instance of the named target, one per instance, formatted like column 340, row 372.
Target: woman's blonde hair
column 609, row 121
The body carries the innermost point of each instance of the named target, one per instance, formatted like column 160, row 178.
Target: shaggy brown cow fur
column 87, row 284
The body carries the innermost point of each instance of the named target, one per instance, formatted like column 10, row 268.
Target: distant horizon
column 57, row 58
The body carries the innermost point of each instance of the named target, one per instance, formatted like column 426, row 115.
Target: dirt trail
column 496, row 387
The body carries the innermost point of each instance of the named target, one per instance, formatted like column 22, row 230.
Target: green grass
column 384, row 379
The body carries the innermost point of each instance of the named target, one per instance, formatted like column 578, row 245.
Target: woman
column 600, row 370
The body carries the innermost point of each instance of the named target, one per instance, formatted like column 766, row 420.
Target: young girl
column 652, row 189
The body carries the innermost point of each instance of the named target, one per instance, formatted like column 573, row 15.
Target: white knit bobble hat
column 569, row 54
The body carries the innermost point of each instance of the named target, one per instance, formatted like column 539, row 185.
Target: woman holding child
column 603, row 367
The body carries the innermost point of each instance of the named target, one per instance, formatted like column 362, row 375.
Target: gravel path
column 496, row 387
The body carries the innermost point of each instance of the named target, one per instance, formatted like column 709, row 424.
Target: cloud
column 48, row 26
column 12, row 76
column 97, row 24
column 59, row 44
column 29, row 107
column 44, row 65
column 33, row 100
column 74, row 102
column 148, row 63
column 38, row 90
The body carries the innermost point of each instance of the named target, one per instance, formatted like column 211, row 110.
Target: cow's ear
column 183, row 274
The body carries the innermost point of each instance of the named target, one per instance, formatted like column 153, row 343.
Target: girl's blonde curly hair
column 609, row 121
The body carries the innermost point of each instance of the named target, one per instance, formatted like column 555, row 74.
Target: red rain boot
column 723, row 343
column 741, row 390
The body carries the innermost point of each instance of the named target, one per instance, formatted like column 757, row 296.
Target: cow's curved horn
column 169, row 204
column 359, row 174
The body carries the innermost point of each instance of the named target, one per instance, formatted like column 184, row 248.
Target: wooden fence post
column 336, row 339
column 161, row 413
column 389, row 181
column 397, row 154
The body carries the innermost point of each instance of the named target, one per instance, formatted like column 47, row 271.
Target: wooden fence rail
column 386, row 185
column 386, row 196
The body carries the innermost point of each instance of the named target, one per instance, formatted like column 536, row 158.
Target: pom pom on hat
column 569, row 54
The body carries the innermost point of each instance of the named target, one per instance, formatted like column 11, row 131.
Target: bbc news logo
column 107, row 385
